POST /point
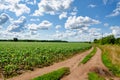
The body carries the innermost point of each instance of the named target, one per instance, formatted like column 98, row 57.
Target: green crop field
column 16, row 57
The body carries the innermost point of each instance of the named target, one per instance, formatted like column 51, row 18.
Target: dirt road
column 72, row 63
column 94, row 64
column 76, row 72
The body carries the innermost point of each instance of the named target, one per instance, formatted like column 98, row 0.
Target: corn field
column 16, row 57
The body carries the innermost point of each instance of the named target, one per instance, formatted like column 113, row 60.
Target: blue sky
column 71, row 20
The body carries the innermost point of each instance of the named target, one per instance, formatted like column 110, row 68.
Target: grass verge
column 55, row 75
column 94, row 76
column 111, row 58
column 89, row 56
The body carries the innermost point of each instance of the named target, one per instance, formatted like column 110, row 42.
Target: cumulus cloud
column 94, row 32
column 14, row 6
column 89, row 35
column 20, row 35
column 106, row 34
column 91, row 5
column 74, row 12
column 32, row 27
column 19, row 9
column 63, row 15
column 44, row 25
column 52, row 6
column 115, row 30
column 75, row 35
column 58, row 26
column 64, row 35
column 18, row 25
column 116, row 11
column 0, row 27
column 106, row 24
column 79, row 22
column 3, row 18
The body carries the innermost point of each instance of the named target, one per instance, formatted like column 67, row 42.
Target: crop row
column 16, row 57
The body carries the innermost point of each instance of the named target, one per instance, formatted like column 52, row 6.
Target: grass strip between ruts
column 55, row 75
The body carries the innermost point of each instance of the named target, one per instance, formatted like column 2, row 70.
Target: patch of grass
column 55, row 75
column 111, row 58
column 89, row 56
column 94, row 76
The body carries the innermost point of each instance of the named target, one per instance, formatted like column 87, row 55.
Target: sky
column 70, row 20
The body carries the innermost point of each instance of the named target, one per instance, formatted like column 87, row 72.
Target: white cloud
column 19, row 35
column 19, row 9
column 106, row 34
column 79, row 22
column 32, row 27
column 18, row 25
column 63, row 15
column 58, row 26
column 7, row 35
column 89, row 35
column 3, row 18
column 74, row 12
column 35, row 19
column 91, row 5
column 58, row 36
column 75, row 35
column 31, row 2
column 0, row 27
column 52, row 6
column 44, row 25
column 14, row 6
column 116, row 11
column 75, row 9
column 106, row 24
column 64, row 35
column 115, row 30
column 94, row 31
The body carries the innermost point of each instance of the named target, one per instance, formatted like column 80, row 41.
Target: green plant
column 9, row 69
column 89, row 56
column 94, row 76
column 55, row 75
column 27, row 55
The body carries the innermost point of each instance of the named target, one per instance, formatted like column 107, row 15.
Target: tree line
column 107, row 40
column 27, row 40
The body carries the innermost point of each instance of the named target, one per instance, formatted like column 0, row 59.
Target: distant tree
column 117, row 41
column 15, row 39
column 112, row 39
column 95, row 40
column 106, row 40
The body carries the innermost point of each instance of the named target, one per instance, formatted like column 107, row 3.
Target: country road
column 76, row 72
